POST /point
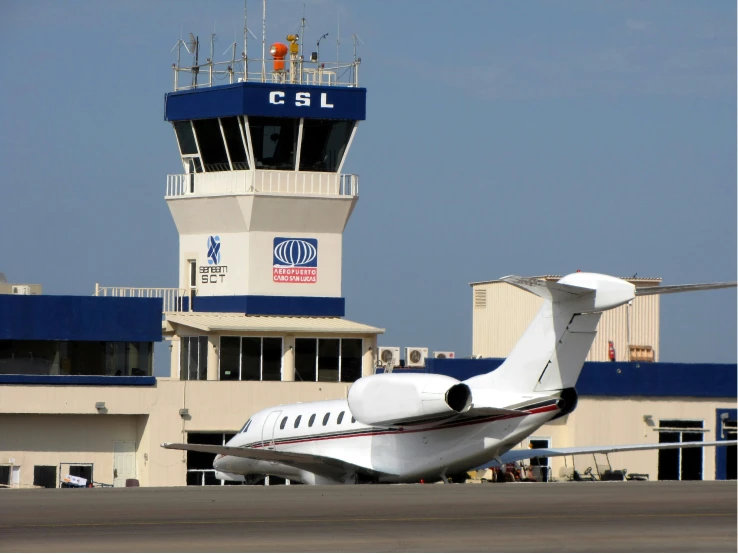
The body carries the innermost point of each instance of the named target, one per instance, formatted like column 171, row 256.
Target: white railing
column 263, row 181
column 173, row 299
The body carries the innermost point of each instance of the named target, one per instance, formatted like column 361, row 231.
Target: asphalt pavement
column 509, row 517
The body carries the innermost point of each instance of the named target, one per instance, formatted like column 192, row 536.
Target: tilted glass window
column 234, row 142
column 324, row 143
column 212, row 147
column 274, row 140
column 185, row 137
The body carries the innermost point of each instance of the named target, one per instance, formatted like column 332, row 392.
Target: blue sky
column 501, row 138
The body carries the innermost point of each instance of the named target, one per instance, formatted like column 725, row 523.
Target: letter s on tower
column 276, row 97
column 302, row 99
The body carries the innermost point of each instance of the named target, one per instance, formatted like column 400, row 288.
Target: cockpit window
column 353, row 419
column 245, row 426
column 311, row 420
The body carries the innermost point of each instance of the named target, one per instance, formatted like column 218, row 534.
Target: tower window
column 324, row 143
column 274, row 140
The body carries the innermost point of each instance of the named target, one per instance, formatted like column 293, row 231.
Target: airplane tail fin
column 550, row 354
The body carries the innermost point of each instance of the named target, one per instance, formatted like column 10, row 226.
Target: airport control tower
column 261, row 204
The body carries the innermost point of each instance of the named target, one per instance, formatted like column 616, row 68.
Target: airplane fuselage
column 401, row 454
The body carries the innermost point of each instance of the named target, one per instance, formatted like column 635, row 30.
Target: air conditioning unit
column 443, row 354
column 415, row 356
column 21, row 289
column 389, row 354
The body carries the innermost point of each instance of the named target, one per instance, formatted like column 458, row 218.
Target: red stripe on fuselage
column 541, row 410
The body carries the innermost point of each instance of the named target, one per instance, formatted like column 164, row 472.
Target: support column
column 213, row 345
column 367, row 360
column 288, row 359
column 176, row 345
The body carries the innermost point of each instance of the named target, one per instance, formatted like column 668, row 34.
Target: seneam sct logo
column 295, row 260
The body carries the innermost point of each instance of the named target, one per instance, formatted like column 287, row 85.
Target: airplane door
column 267, row 432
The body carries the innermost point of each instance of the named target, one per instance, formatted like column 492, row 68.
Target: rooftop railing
column 262, row 181
column 174, row 300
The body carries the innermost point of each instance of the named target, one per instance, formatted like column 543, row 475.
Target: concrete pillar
column 367, row 360
column 176, row 345
column 213, row 345
column 288, row 359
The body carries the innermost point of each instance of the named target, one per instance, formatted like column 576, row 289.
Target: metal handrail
column 172, row 297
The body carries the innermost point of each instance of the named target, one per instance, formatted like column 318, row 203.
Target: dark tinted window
column 326, row 417
column 245, row 426
column 306, row 351
column 340, row 418
column 234, row 141
column 272, row 359
column 284, row 422
column 353, row 419
column 185, row 137
column 251, row 359
column 328, row 350
column 350, row 360
column 297, row 421
column 324, row 143
column 212, row 147
column 311, row 420
column 274, row 141
column 230, row 358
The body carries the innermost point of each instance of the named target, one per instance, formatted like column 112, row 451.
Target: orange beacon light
column 278, row 52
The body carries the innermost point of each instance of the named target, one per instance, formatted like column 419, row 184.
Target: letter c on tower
column 276, row 97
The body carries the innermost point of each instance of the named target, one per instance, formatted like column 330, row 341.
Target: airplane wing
column 330, row 468
column 645, row 291
column 526, row 453
column 547, row 289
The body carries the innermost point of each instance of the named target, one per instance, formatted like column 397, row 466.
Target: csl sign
column 300, row 99
column 295, row 260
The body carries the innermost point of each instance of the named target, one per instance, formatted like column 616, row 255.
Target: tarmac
column 509, row 517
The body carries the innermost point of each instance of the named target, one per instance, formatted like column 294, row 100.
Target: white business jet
column 396, row 428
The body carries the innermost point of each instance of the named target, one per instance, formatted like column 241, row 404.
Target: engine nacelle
column 396, row 399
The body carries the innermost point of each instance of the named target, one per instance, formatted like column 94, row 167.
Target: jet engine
column 396, row 399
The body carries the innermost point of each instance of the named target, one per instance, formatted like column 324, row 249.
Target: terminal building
column 257, row 318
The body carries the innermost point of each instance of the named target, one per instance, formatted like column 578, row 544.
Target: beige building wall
column 48, row 425
column 502, row 312
column 605, row 421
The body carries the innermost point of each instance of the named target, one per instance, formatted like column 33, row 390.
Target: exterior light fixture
column 184, row 412
column 100, row 407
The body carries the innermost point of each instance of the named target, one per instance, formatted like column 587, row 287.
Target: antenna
column 245, row 42
column 263, row 41
column 338, row 37
column 321, row 38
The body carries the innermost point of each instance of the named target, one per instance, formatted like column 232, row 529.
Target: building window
column 234, row 142
column 36, row 357
column 212, row 146
column 328, row 360
column 200, row 470
column 44, row 476
column 274, row 141
column 193, row 358
column 251, row 358
column 193, row 273
column 324, row 143
column 680, row 464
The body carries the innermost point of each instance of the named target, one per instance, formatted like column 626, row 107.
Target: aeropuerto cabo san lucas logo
column 295, row 260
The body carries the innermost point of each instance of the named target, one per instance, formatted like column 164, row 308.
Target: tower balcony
column 292, row 183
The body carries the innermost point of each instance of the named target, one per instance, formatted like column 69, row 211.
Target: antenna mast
column 338, row 37
column 263, row 41
column 245, row 42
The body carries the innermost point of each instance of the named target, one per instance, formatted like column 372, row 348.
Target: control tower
column 262, row 202
column 260, row 207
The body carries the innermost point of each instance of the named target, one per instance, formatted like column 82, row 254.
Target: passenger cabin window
column 340, row 418
column 311, row 420
column 325, row 419
column 297, row 421
column 284, row 422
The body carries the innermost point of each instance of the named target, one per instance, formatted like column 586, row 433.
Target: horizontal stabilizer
column 324, row 466
column 646, row 291
column 483, row 411
column 550, row 290
column 526, row 453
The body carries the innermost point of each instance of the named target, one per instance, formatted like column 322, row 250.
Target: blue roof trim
column 87, row 318
column 313, row 306
column 77, row 380
column 619, row 378
column 268, row 100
